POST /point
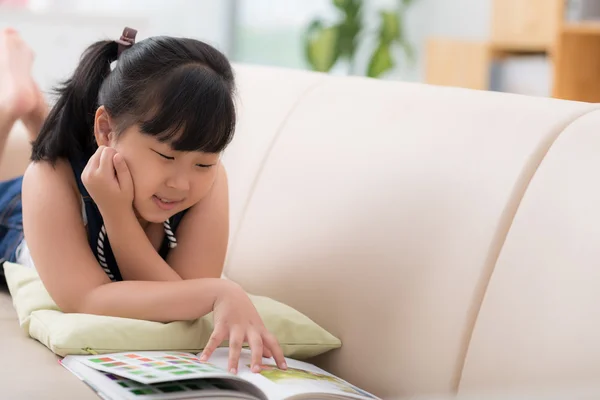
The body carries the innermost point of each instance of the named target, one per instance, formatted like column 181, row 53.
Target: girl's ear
column 103, row 127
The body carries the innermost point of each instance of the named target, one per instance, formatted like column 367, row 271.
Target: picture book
column 176, row 375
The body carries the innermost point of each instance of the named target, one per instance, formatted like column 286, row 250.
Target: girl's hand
column 108, row 180
column 236, row 319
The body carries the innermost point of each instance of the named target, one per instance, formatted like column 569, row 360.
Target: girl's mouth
column 165, row 203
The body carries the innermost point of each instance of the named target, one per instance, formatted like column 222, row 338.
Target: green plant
column 325, row 45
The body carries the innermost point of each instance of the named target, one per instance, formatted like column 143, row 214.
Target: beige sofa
column 450, row 238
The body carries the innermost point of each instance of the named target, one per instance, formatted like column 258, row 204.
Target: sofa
column 450, row 238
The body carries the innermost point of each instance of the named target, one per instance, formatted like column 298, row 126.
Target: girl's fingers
column 256, row 348
column 215, row 341
column 266, row 352
column 236, row 340
column 94, row 161
column 106, row 162
column 123, row 174
column 271, row 342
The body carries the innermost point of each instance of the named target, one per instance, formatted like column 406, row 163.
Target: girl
column 124, row 208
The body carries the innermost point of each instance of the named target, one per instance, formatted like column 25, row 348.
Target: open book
column 176, row 375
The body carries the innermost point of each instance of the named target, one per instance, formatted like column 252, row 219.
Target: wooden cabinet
column 459, row 63
column 526, row 25
column 577, row 63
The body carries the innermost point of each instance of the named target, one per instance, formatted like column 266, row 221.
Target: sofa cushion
column 64, row 334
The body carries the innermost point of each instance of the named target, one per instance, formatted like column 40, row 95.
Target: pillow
column 64, row 334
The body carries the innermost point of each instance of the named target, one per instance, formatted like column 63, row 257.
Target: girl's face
column 165, row 181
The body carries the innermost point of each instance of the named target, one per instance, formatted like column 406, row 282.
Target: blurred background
column 534, row 47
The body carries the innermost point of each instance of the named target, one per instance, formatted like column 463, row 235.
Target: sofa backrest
column 379, row 209
column 539, row 325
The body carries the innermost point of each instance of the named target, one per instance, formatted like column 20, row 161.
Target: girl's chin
column 154, row 217
column 156, row 213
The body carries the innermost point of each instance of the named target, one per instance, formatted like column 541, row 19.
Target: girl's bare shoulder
column 58, row 177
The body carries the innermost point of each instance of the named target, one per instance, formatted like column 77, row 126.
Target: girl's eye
column 204, row 165
column 163, row 156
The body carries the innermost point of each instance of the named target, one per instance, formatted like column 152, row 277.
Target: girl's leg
column 19, row 95
column 34, row 120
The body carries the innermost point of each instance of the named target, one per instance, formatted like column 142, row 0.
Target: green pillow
column 65, row 334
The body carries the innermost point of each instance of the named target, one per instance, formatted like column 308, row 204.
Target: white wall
column 59, row 38
column 206, row 20
column 59, row 30
column 271, row 31
column 469, row 19
column 465, row 19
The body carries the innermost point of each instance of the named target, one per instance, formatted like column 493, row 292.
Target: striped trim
column 100, row 250
column 170, row 234
column 102, row 237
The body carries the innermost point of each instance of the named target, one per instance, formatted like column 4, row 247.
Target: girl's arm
column 58, row 243
column 203, row 234
column 136, row 256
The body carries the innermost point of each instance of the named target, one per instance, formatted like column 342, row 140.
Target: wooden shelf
column 502, row 50
column 582, row 28
column 516, row 47
column 525, row 24
column 461, row 63
column 524, row 27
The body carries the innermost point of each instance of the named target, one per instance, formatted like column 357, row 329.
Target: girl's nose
column 179, row 181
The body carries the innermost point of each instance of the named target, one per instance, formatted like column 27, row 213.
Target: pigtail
column 68, row 129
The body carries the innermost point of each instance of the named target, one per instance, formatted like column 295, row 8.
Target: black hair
column 179, row 90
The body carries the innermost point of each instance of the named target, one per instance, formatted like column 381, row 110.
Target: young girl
column 124, row 208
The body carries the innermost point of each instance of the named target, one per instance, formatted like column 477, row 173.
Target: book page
column 299, row 378
column 154, row 367
column 113, row 387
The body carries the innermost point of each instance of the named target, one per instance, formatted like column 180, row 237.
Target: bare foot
column 34, row 119
column 18, row 92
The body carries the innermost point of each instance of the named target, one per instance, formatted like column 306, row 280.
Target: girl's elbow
column 75, row 305
column 81, row 303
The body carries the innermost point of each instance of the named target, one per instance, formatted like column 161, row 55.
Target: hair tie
column 127, row 40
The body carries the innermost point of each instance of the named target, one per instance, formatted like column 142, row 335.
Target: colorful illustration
column 143, row 390
column 294, row 376
column 148, row 369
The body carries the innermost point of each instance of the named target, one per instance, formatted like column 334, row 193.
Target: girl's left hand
column 108, row 180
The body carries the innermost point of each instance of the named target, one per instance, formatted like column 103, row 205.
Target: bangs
column 193, row 110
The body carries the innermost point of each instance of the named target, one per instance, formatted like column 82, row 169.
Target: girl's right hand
column 108, row 181
column 236, row 319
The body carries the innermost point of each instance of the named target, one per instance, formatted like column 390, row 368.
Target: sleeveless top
column 96, row 232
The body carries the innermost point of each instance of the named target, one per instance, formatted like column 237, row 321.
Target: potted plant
column 328, row 44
